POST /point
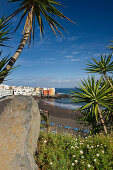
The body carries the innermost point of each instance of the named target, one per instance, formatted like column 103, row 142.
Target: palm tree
column 102, row 67
column 32, row 10
column 94, row 96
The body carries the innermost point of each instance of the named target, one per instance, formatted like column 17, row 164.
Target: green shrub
column 66, row 152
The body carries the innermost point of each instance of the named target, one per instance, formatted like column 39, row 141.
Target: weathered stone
column 19, row 129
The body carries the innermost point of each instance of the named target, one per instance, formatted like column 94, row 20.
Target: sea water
column 66, row 103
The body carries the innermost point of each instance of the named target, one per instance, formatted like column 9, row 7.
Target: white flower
column 91, row 146
column 81, row 152
column 87, row 146
column 73, row 156
column 97, row 154
column 95, row 160
column 45, row 141
column 88, row 165
column 76, row 161
column 73, row 164
column 102, row 151
column 51, row 163
column 72, row 147
column 97, row 145
column 82, row 156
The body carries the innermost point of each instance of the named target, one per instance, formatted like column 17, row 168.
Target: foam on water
column 63, row 105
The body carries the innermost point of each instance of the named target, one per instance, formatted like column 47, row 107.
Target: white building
column 2, row 90
column 9, row 92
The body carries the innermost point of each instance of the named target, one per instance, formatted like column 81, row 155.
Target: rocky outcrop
column 56, row 96
column 19, row 129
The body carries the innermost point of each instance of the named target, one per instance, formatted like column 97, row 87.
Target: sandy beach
column 64, row 117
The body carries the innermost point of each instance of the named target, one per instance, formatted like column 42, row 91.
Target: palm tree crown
column 93, row 95
column 34, row 9
column 102, row 66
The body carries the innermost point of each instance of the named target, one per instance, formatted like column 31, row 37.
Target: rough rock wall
column 19, row 129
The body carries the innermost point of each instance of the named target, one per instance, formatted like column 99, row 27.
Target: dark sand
column 64, row 117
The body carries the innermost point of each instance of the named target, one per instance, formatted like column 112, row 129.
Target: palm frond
column 102, row 66
column 4, row 31
column 3, row 63
column 93, row 94
column 46, row 8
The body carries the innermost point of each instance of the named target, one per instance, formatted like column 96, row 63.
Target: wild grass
column 66, row 152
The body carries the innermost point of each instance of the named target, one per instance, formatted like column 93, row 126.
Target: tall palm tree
column 102, row 67
column 94, row 96
column 32, row 10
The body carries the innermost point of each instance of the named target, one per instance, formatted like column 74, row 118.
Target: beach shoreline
column 64, row 117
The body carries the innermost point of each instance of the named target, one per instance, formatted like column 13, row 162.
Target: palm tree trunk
column 102, row 120
column 108, row 80
column 22, row 44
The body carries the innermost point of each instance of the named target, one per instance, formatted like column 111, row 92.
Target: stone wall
column 19, row 129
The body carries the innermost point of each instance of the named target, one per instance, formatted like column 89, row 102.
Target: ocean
column 66, row 103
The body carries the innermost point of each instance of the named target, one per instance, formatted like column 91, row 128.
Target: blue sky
column 58, row 62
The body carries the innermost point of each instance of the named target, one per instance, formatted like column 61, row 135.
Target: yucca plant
column 3, row 62
column 33, row 10
column 4, row 32
column 110, row 46
column 94, row 96
column 90, row 119
column 102, row 66
column 4, row 36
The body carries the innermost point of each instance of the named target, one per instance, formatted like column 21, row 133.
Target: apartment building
column 48, row 91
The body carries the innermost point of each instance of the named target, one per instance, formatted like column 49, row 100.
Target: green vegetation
column 97, row 95
column 94, row 96
column 4, row 36
column 66, row 152
column 4, row 32
column 3, row 63
column 102, row 66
